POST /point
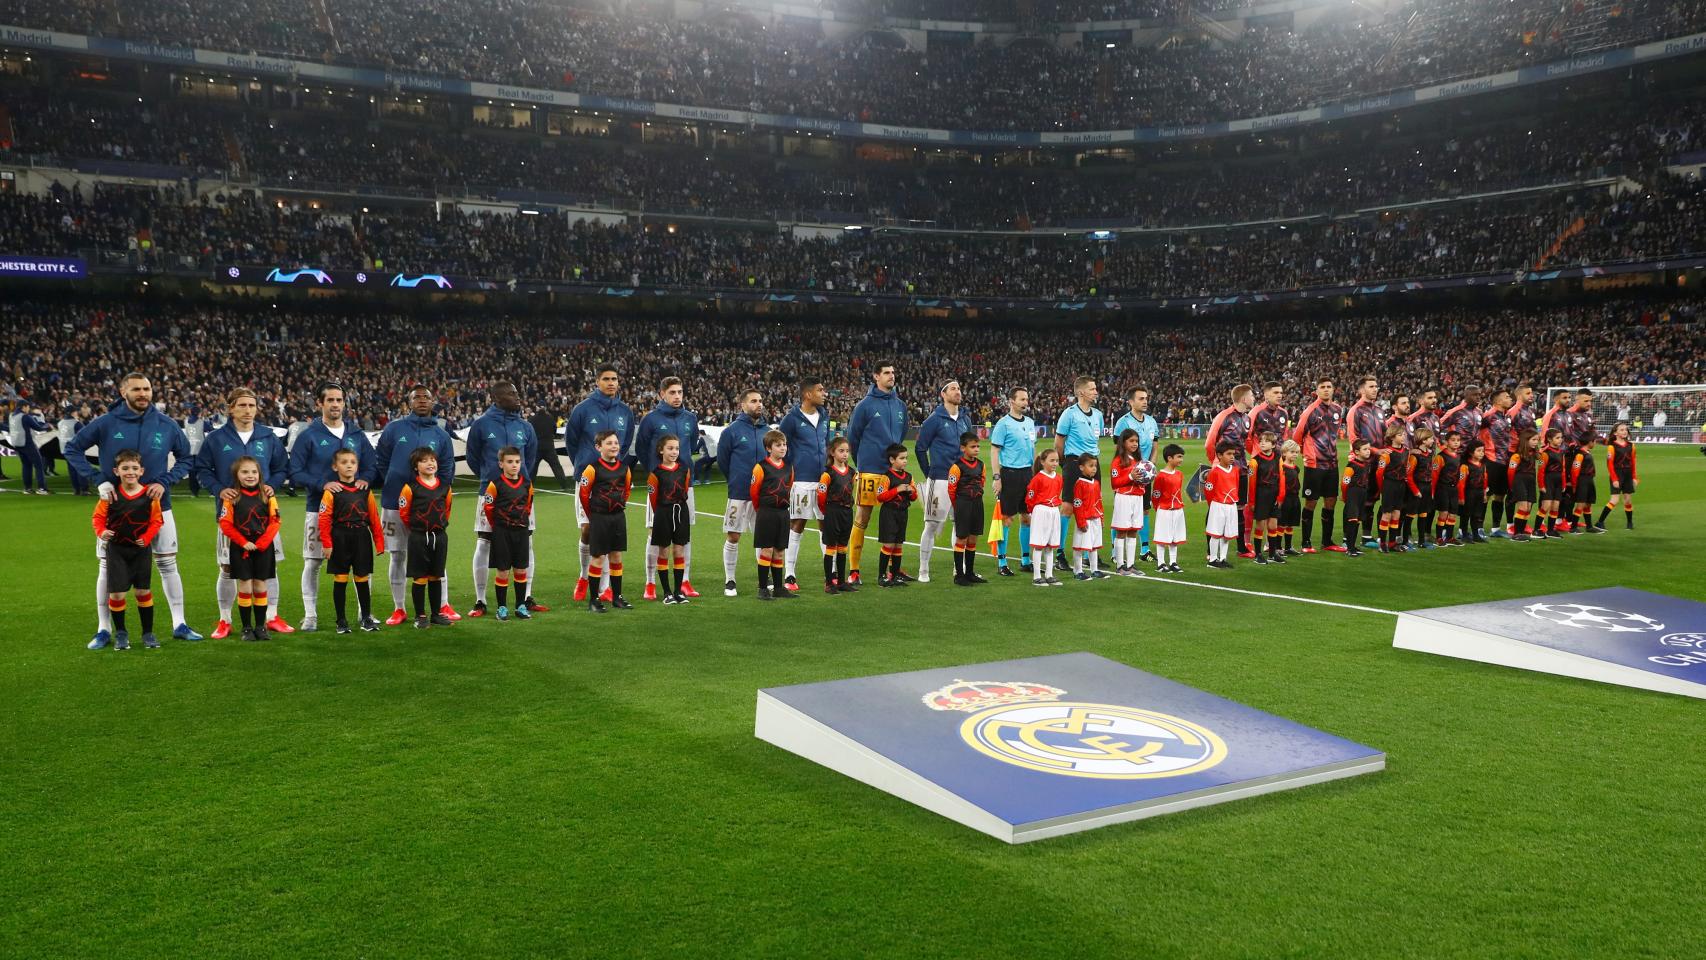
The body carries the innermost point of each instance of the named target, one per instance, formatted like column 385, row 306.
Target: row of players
column 1013, row 441
column 349, row 518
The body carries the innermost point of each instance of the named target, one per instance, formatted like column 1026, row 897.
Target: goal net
column 1673, row 413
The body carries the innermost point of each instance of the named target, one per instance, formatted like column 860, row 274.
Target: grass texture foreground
column 590, row 786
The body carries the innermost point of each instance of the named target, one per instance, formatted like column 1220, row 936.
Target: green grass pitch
column 590, row 786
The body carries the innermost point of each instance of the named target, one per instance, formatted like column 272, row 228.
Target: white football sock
column 793, row 556
column 310, row 587
column 272, row 598
column 172, row 585
column 927, row 543
column 482, row 567
column 398, row 575
column 225, row 591
column 731, row 557
column 103, row 617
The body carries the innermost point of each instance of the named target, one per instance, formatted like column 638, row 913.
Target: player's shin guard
column 1327, row 516
column 310, row 587
column 791, row 560
column 398, row 574
column 653, row 566
column 272, row 598
column 171, row 584
column 1309, row 528
column 340, row 597
column 1352, row 525
column 927, row 544
column 731, row 559
column 1628, row 516
column 684, row 565
column 856, row 543
column 103, row 617
column 225, row 592
column 364, row 596
column 586, row 558
column 482, row 567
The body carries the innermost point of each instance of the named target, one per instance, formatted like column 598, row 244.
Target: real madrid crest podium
column 1034, row 748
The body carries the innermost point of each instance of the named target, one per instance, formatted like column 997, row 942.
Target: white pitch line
column 1146, row 578
column 1276, row 596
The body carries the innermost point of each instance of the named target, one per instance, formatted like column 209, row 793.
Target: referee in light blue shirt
column 1014, row 438
column 1078, row 432
column 1139, row 421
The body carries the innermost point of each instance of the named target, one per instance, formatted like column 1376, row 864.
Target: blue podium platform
column 1613, row 635
column 1039, row 747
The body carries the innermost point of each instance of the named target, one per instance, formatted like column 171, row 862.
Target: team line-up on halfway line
column 1415, row 479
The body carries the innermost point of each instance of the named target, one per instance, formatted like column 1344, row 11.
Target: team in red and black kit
column 1448, row 470
column 771, row 481
column 1232, row 425
column 1472, row 491
column 423, row 506
column 1356, row 490
column 835, row 495
column 1264, row 488
column 1620, row 475
column 1363, row 422
column 603, row 491
column 1498, row 439
column 352, row 533
column 1317, row 435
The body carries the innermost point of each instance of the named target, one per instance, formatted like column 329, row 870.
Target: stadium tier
column 1187, row 73
column 1363, row 168
column 282, row 354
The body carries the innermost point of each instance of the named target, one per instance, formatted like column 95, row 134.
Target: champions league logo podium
column 1614, row 635
column 1056, row 745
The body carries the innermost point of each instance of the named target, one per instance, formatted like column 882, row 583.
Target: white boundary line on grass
column 1145, row 578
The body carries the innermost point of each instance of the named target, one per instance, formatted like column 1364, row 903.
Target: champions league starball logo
column 1583, row 616
column 1026, row 725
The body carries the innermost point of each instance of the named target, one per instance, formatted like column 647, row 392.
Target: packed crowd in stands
column 1367, row 170
column 58, row 356
column 166, row 228
column 732, row 59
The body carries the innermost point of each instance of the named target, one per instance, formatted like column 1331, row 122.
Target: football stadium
column 860, row 478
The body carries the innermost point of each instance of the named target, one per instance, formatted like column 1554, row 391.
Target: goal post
column 1662, row 413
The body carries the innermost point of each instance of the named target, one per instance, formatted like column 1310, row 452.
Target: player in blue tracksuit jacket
column 502, row 425
column 602, row 410
column 878, row 421
column 225, row 445
column 668, row 419
column 938, row 449
column 310, row 471
column 739, row 449
column 808, row 449
column 221, row 448
column 401, row 438
column 136, row 425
